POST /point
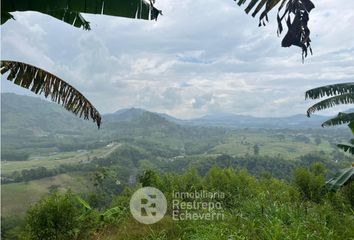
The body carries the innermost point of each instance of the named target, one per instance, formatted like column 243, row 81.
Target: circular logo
column 148, row 205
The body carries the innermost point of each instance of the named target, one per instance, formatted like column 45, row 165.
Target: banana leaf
column 70, row 11
column 344, row 177
column 40, row 81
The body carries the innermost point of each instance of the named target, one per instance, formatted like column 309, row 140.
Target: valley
column 68, row 155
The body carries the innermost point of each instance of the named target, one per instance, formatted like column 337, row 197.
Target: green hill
column 28, row 116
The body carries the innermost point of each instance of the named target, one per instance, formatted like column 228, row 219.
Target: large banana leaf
column 38, row 81
column 347, row 148
column 330, row 90
column 347, row 98
column 295, row 13
column 343, row 177
column 342, row 93
column 341, row 118
column 70, row 11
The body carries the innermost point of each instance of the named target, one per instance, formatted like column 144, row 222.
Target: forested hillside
column 272, row 177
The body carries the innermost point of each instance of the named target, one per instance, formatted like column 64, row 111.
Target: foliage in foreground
column 40, row 81
column 337, row 94
column 264, row 208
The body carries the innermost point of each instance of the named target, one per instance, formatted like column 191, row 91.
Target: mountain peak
column 129, row 110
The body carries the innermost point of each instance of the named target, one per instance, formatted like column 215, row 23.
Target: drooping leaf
column 40, row 81
column 343, row 177
column 330, row 90
column 295, row 13
column 341, row 118
column 346, row 148
column 70, row 11
column 342, row 93
column 347, row 98
column 298, row 32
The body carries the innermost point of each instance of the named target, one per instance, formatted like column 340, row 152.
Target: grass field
column 55, row 160
column 17, row 197
column 241, row 144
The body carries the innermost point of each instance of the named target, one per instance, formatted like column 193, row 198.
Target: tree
column 256, row 149
column 310, row 182
column 149, row 178
column 59, row 216
column 337, row 94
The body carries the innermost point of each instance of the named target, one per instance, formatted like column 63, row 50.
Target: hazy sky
column 200, row 57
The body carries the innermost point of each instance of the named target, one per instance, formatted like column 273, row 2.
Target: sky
column 201, row 57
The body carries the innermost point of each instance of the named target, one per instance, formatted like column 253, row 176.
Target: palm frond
column 40, row 81
column 331, row 102
column 295, row 13
column 257, row 5
column 341, row 118
column 330, row 90
column 70, row 11
column 346, row 148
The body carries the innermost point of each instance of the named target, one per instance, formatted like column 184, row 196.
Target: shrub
column 59, row 216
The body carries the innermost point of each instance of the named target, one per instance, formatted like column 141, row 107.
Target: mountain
column 135, row 117
column 123, row 115
column 35, row 116
column 25, row 115
column 32, row 125
column 242, row 121
column 173, row 119
column 128, row 114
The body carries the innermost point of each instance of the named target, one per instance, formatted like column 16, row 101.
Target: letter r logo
column 148, row 205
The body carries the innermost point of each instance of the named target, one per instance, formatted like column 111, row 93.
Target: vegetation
column 274, row 193
column 39, row 81
column 337, row 94
column 59, row 217
column 294, row 12
column 70, row 12
column 272, row 181
column 254, row 208
column 344, row 177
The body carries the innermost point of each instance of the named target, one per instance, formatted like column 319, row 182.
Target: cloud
column 200, row 57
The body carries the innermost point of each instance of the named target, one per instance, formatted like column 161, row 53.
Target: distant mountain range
column 225, row 120
column 31, row 114
column 241, row 121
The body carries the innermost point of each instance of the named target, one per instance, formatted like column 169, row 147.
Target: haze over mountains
column 21, row 112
